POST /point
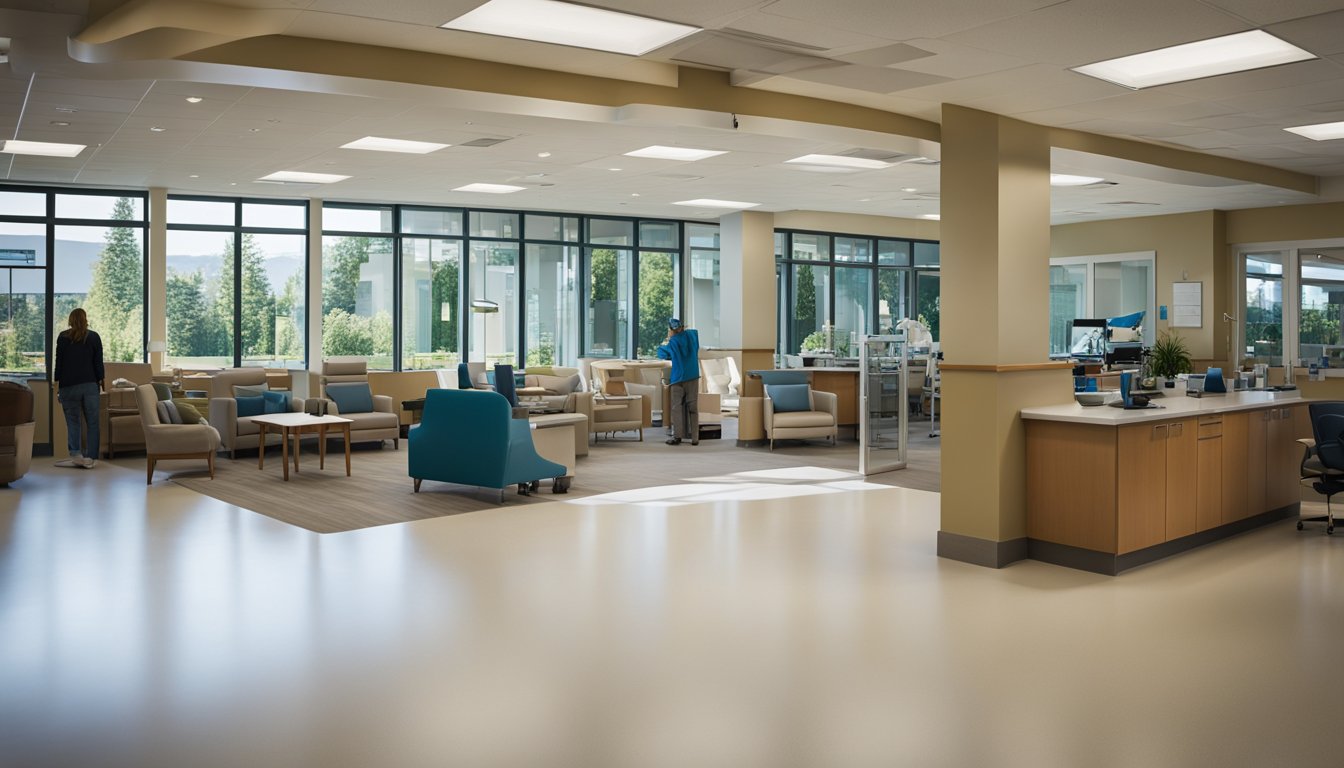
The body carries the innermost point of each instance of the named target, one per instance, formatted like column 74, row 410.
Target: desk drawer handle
column 1177, row 429
column 1157, row 427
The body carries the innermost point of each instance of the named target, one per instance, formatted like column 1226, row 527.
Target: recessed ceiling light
column 840, row 161
column 634, row 194
column 379, row 144
column 543, row 154
column 613, row 169
column 195, row 176
column 659, row 152
column 705, row 202
column 1319, row 131
column 304, row 177
column 254, row 130
column 42, row 148
column 931, row 216
column 60, row 123
column 865, row 199
column 157, row 128
column 907, row 189
column 195, row 99
column 548, row 21
column 1069, row 180
column 491, row 189
column 1204, row 58
column 233, row 183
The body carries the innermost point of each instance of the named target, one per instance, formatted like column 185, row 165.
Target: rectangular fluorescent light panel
column 491, row 189
column 1319, row 131
column 548, row 21
column 1069, row 180
column 303, row 177
column 840, row 161
column 379, row 144
column 1205, row 58
column 42, row 148
column 705, row 202
column 674, row 153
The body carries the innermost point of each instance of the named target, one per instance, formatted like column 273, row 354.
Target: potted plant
column 1169, row 357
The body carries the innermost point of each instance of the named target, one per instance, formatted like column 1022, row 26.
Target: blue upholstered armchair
column 469, row 437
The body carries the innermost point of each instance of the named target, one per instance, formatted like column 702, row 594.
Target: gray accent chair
column 173, row 441
column 234, row 431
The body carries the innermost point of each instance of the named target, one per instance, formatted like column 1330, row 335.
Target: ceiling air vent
column 482, row 142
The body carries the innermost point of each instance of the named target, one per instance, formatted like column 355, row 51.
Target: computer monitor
column 1087, row 339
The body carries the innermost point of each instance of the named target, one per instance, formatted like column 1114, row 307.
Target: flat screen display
column 1087, row 339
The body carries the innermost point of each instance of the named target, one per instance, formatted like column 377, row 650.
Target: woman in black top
column 79, row 376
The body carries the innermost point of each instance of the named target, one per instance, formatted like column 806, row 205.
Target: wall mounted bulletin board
column 1187, row 304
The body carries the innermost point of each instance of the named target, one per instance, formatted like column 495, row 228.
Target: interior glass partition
column 853, row 308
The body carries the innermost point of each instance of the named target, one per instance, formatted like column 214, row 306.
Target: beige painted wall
column 858, row 224
column 1189, row 246
column 1286, row 222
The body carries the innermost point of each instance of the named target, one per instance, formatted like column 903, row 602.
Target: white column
column 157, row 272
column 314, row 304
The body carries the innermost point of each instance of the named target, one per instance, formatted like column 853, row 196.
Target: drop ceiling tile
column 949, row 59
column 1260, row 12
column 1084, row 31
column 871, row 79
column 906, row 20
column 71, row 87
column 1256, row 81
column 1322, row 35
column 47, row 102
column 817, row 38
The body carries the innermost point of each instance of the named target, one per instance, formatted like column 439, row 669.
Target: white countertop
column 1173, row 406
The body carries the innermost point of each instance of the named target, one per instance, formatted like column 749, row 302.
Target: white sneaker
column 88, row 463
column 67, row 463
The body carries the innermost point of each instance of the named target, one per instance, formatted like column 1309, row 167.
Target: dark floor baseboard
column 983, row 552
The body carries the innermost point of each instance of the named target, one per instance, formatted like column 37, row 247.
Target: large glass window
column 431, row 299
column 494, row 278
column 357, row 295
column 1263, row 329
column 23, row 321
column 853, row 308
column 836, row 288
column 608, row 321
column 199, row 304
column 552, row 303
column 1104, row 286
column 810, row 300
column 704, row 282
column 658, row 294
column 103, row 270
column 1322, row 310
column 1068, row 301
column 236, row 287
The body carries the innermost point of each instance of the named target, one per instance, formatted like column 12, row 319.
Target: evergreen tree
column 221, row 311
column 258, row 320
column 345, row 334
column 656, row 291
column 805, row 304
column 288, row 320
column 191, row 332
column 115, row 299
column 340, row 273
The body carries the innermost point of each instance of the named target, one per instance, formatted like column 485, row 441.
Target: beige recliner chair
column 380, row 421
column 609, row 416
column 819, row 420
column 16, row 431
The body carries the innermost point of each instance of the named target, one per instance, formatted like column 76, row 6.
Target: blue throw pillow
column 789, row 397
column 251, row 406
column 351, row 397
column 276, row 402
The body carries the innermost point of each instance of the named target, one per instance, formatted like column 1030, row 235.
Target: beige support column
column 156, row 302
column 747, row 293
column 994, row 328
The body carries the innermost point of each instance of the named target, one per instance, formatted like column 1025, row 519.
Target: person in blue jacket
column 683, row 349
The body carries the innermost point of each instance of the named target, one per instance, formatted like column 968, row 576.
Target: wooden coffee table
column 294, row 425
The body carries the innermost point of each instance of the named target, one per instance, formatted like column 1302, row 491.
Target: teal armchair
column 470, row 437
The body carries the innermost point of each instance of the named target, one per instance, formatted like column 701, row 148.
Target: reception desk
column 1110, row 489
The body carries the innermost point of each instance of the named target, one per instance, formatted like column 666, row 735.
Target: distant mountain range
column 75, row 260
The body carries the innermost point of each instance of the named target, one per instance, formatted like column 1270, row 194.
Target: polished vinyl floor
column 762, row 620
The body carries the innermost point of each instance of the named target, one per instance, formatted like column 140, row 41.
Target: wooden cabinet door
column 1235, row 462
column 1257, row 435
column 1282, row 461
column 1209, row 487
column 1141, row 490
column 1182, row 478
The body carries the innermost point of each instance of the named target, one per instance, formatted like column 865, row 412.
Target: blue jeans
column 79, row 399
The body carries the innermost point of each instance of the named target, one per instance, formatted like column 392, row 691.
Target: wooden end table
column 294, row 425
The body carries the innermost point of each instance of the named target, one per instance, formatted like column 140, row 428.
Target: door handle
column 1162, row 427
column 1177, row 429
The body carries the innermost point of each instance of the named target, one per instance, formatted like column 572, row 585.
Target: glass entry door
column 883, row 405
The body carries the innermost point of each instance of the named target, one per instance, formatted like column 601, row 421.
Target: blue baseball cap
column 673, row 323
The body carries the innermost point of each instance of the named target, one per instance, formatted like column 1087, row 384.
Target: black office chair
column 1323, row 461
